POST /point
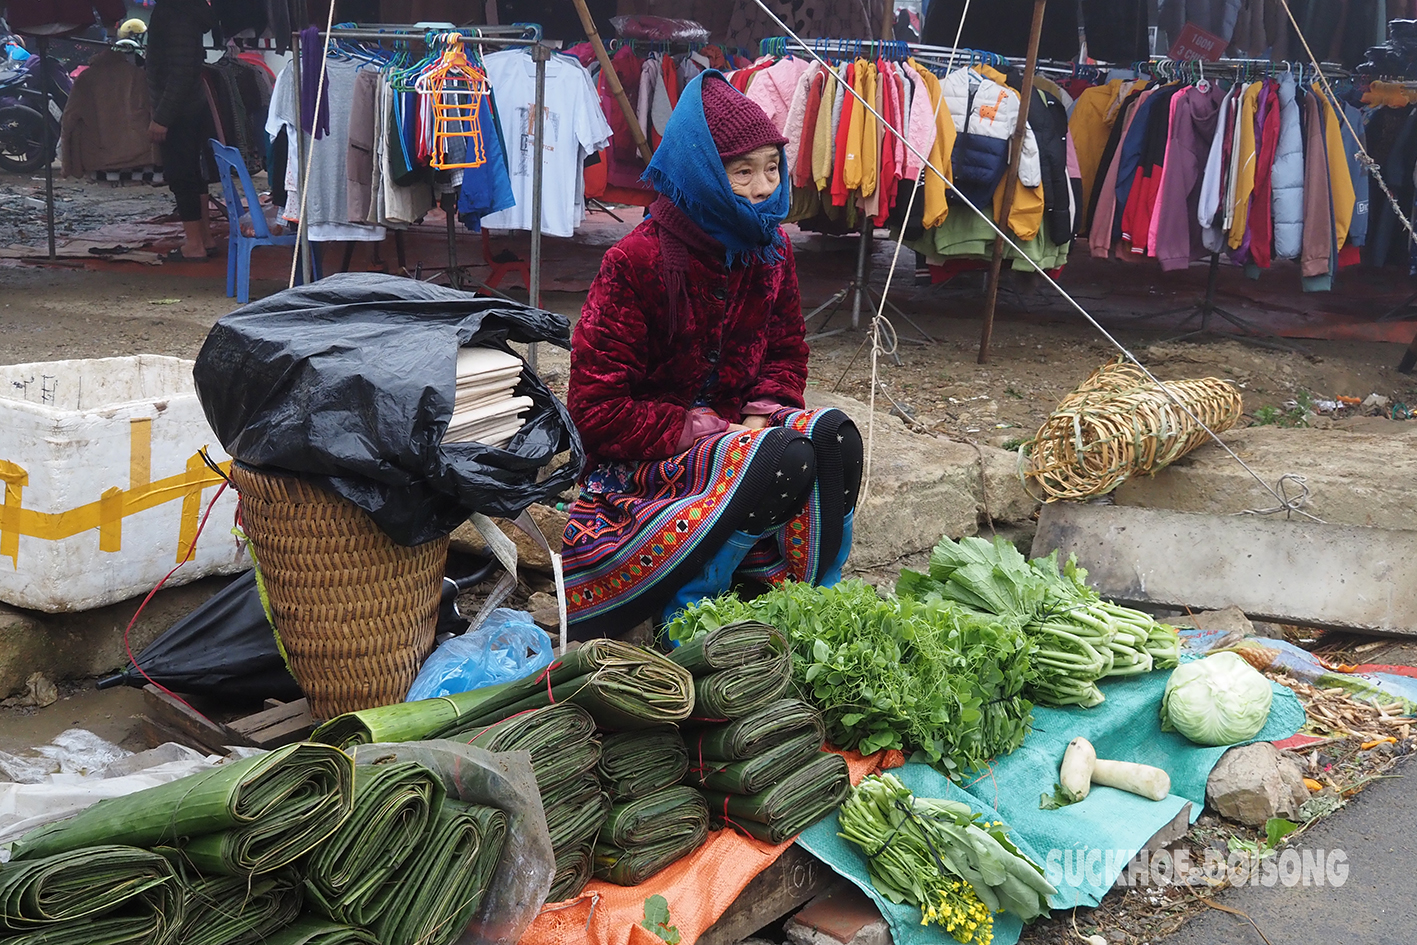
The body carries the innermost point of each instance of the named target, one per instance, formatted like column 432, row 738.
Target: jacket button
column 720, row 294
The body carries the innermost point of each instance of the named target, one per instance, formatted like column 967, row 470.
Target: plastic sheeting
column 350, row 383
column 503, row 780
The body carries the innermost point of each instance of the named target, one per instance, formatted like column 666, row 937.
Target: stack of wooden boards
column 484, row 409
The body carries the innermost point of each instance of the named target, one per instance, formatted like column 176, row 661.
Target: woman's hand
column 756, row 423
column 158, row 133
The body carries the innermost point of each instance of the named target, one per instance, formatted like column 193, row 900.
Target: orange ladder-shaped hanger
column 457, row 88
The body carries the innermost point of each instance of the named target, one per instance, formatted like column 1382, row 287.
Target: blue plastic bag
column 507, row 646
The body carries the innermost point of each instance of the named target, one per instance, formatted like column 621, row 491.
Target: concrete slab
column 1330, row 576
column 1358, row 473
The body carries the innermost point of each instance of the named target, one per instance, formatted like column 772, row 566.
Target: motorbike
column 23, row 115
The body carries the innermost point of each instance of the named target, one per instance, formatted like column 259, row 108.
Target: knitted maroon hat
column 737, row 124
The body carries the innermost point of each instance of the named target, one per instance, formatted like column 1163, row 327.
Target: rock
column 544, row 612
column 923, row 488
column 841, row 917
column 1229, row 620
column 39, row 692
column 1255, row 782
column 468, row 540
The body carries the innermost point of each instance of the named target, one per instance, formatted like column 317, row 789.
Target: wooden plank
column 196, row 731
column 278, row 715
column 1337, row 577
column 782, row 888
column 157, row 733
column 284, row 733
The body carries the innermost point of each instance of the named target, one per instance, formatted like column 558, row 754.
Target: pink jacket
column 1100, row 236
column 773, row 88
column 1194, row 116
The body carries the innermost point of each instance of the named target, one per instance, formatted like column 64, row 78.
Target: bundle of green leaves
column 928, row 676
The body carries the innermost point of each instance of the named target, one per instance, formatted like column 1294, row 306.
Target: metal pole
column 48, row 143
column 996, row 262
column 539, row 54
column 450, row 210
column 302, row 239
column 862, row 254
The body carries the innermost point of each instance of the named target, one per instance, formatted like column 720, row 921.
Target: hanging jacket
column 1116, row 29
column 772, row 88
column 1174, row 227
column 1317, row 244
column 1358, row 231
column 986, row 111
column 1287, row 196
column 941, row 155
column 1343, row 196
column 1133, row 149
column 1244, row 164
column 844, row 131
column 1260, row 234
column 795, row 128
column 823, row 138
column 1048, row 120
column 1090, row 125
column 1141, row 198
column 1208, row 210
column 105, row 123
column 1105, row 200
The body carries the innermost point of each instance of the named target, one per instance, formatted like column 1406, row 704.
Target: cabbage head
column 1219, row 700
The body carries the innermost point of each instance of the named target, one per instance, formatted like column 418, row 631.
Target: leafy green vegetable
column 1059, row 797
column 942, row 857
column 657, row 920
column 914, row 675
column 1219, row 700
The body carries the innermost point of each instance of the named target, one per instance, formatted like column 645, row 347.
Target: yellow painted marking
column 140, row 454
column 15, row 480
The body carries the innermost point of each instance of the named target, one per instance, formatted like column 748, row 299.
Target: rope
column 880, row 320
column 1008, row 241
column 1364, row 158
column 310, row 153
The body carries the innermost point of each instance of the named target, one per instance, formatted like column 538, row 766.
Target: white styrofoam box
column 101, row 486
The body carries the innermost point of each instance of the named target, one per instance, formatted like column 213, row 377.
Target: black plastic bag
column 224, row 648
column 349, row 382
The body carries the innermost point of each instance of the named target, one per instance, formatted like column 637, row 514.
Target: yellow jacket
column 1094, row 114
column 851, row 168
column 1245, row 163
column 870, row 138
column 1340, row 184
column 936, row 205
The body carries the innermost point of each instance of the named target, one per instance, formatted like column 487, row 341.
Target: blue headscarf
column 688, row 171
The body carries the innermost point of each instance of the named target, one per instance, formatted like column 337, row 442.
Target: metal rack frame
column 515, row 35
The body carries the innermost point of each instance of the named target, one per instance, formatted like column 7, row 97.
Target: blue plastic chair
column 238, row 251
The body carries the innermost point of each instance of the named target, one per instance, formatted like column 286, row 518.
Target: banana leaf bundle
column 313, row 930
column 239, row 819
column 760, row 773
column 561, row 739
column 235, row 910
column 753, row 735
column 438, row 890
column 573, row 871
column 393, row 805
column 623, row 687
column 77, row 885
column 790, row 806
column 634, row 764
column 672, row 812
column 738, row 669
column 575, row 812
column 630, row 866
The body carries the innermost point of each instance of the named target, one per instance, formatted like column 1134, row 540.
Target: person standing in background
column 181, row 122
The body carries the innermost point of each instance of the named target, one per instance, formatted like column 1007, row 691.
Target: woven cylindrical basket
column 1119, row 423
column 356, row 611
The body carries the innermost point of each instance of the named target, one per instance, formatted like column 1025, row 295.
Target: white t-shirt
column 575, row 127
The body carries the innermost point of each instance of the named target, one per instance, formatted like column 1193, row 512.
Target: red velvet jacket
column 634, row 381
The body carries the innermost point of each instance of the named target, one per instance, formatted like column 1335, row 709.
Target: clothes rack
column 518, row 34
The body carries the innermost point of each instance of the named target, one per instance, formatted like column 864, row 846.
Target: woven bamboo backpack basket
column 355, row 611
